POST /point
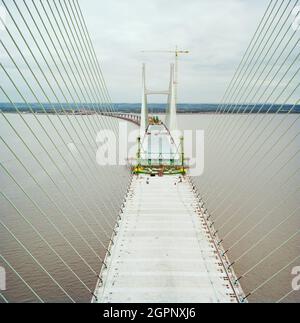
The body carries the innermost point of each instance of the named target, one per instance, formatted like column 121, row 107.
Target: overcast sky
column 216, row 32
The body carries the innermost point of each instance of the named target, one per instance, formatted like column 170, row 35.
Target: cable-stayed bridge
column 138, row 237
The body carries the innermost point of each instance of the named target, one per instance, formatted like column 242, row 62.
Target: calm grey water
column 86, row 194
column 234, row 191
column 250, row 185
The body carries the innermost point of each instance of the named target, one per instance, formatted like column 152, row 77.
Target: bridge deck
column 162, row 252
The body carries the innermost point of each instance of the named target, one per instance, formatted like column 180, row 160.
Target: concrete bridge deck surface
column 162, row 252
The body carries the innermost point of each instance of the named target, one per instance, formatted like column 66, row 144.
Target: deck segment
column 163, row 251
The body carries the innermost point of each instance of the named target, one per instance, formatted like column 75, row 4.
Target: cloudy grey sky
column 216, row 32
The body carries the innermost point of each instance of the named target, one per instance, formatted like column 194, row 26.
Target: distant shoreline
column 135, row 108
column 157, row 113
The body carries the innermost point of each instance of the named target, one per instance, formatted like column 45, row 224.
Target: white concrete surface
column 163, row 252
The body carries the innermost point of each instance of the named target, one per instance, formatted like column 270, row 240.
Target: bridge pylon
column 171, row 120
column 171, row 111
column 144, row 110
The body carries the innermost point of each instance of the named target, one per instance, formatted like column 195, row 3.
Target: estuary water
column 250, row 184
